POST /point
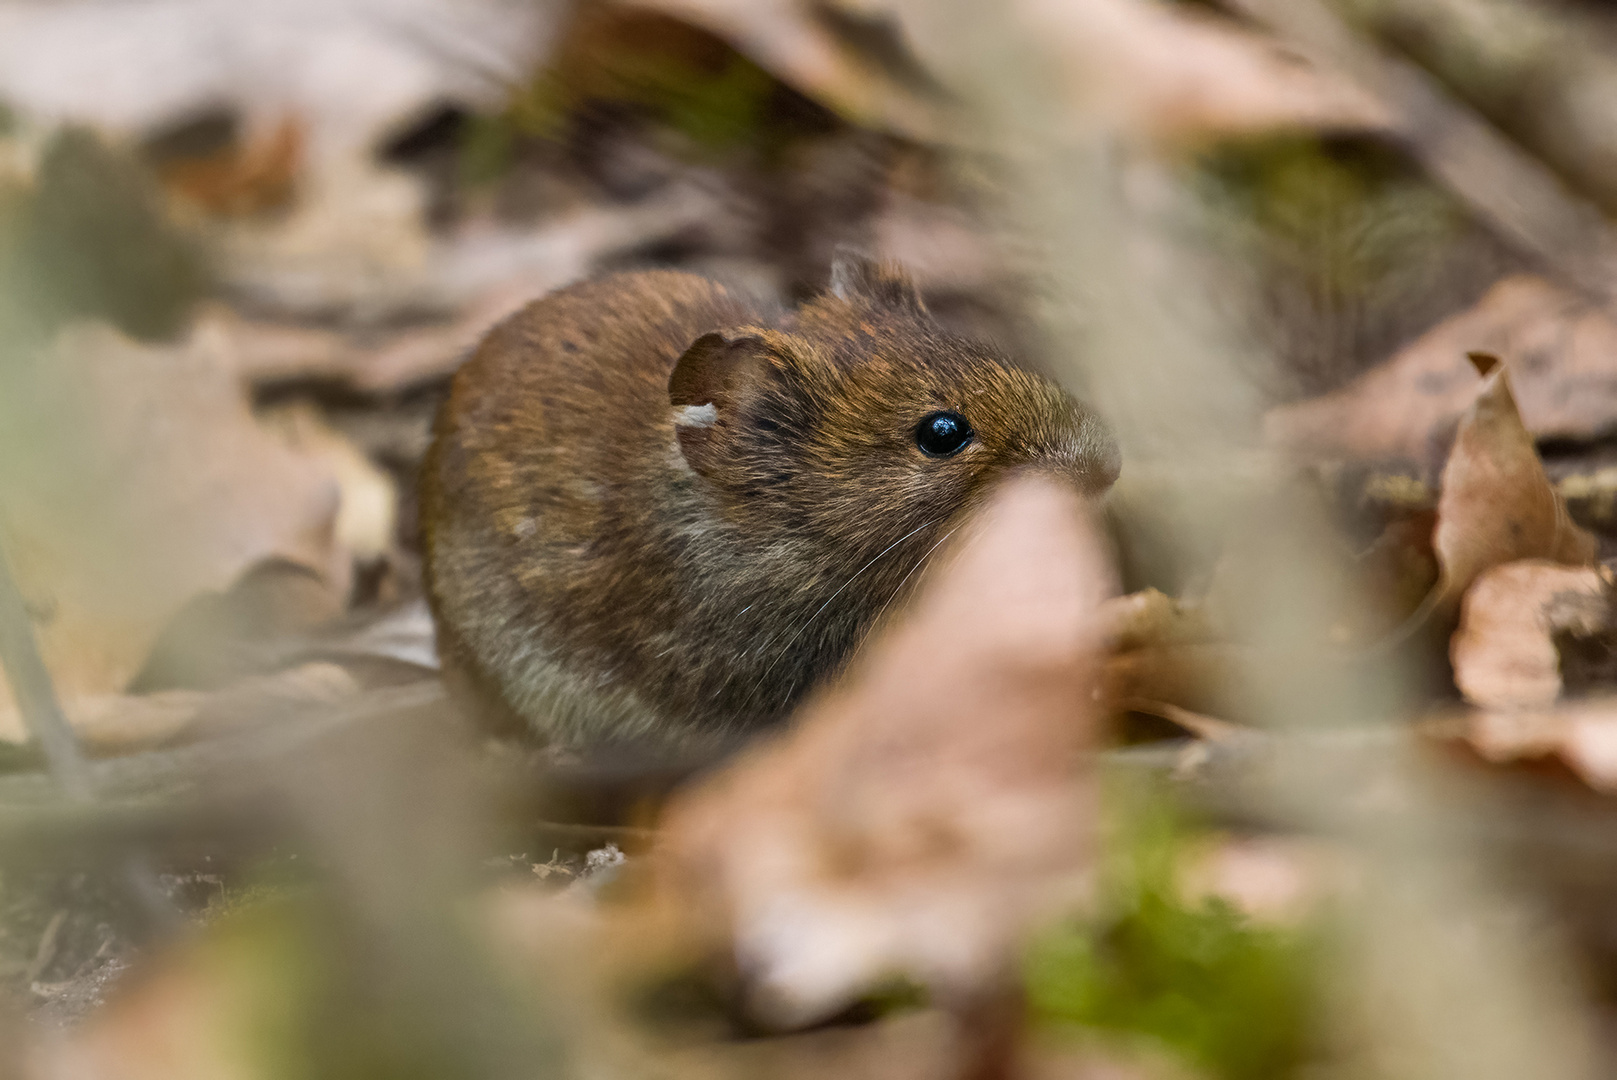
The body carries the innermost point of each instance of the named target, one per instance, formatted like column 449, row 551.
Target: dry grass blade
column 36, row 696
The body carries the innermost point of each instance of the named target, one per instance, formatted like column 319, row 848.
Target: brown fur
column 601, row 573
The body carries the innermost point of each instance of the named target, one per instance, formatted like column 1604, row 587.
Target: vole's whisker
column 784, row 649
column 875, row 624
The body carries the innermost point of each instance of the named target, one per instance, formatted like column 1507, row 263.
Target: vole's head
column 864, row 422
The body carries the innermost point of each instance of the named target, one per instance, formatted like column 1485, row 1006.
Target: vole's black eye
column 941, row 434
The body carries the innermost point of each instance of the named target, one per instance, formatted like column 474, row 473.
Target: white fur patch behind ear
column 696, row 415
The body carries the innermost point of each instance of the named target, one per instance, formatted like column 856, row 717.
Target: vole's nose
column 1095, row 456
column 1090, row 470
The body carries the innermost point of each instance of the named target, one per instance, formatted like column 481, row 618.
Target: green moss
column 1233, row 998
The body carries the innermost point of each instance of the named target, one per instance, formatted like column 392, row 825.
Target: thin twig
column 42, row 714
column 36, row 694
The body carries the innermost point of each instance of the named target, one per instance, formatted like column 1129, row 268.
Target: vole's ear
column 705, row 385
column 856, row 276
column 713, row 369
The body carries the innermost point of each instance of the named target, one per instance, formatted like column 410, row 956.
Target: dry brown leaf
column 153, row 483
column 1168, row 661
column 922, row 812
column 1504, row 651
column 1497, row 504
column 1582, row 733
column 1173, row 72
column 1398, row 571
column 1404, row 411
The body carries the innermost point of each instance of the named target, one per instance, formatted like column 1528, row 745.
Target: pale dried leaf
column 1173, row 72
column 271, row 352
column 358, row 248
column 348, row 69
column 1582, row 733
column 153, row 483
column 1504, row 652
column 795, row 43
column 367, row 516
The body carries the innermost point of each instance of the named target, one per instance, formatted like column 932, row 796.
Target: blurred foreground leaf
column 93, row 239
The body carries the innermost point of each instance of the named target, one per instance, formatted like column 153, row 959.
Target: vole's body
column 654, row 509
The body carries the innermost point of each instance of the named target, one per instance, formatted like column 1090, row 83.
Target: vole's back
column 542, row 494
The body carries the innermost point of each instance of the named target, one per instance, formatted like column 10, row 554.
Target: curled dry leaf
column 139, row 479
column 1580, row 733
column 1504, row 651
column 1405, row 410
column 924, row 810
column 1497, row 504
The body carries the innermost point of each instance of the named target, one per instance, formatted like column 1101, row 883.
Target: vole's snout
column 1091, row 461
